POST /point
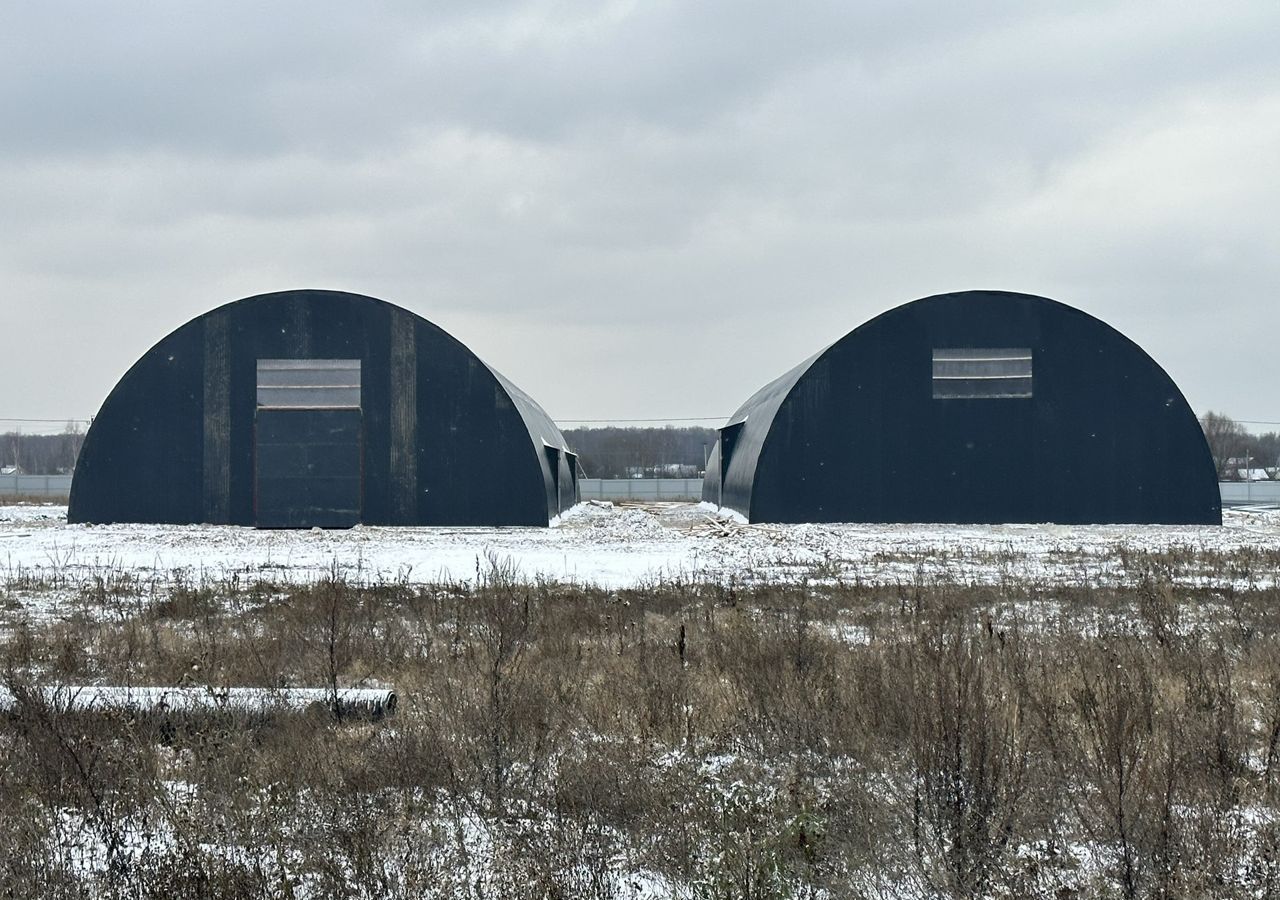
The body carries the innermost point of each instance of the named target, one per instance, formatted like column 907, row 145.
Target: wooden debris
column 723, row 526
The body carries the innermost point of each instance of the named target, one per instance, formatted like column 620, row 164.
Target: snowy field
column 621, row 546
column 683, row 744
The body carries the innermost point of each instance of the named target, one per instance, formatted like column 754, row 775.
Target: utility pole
column 1248, row 478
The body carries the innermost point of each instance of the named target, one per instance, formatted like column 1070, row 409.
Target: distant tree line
column 602, row 452
column 668, row 452
column 655, row 452
column 42, row 454
column 1237, row 451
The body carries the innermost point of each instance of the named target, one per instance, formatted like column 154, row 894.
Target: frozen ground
column 617, row 546
column 46, row 566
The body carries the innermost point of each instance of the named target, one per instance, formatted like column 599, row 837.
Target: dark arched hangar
column 319, row 408
column 979, row 406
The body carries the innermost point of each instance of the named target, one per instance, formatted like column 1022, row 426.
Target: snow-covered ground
column 610, row 546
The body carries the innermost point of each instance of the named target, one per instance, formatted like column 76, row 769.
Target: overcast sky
column 639, row 210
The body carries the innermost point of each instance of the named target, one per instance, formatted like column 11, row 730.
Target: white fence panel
column 1246, row 493
column 640, row 489
column 58, row 487
column 48, row 486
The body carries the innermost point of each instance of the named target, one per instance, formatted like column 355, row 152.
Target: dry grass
column 33, row 500
column 819, row 739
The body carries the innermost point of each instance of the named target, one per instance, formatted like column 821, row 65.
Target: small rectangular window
column 309, row 383
column 971, row 373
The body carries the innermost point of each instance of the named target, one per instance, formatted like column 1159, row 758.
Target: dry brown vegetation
column 817, row 739
column 28, row 500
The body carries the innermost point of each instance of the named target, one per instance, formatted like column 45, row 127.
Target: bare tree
column 653, row 452
column 42, row 454
column 1227, row 439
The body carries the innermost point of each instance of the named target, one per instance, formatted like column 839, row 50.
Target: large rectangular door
column 308, row 444
column 307, row 467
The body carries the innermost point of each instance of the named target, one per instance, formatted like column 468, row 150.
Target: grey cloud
column 736, row 184
column 244, row 78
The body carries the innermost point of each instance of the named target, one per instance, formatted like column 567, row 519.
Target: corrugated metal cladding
column 216, row 391
column 980, row 406
column 318, row 408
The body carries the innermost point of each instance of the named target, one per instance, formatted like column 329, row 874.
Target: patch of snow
column 43, row 558
column 853, row 635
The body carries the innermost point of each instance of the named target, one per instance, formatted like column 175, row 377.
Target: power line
column 620, row 421
column 562, row 421
column 565, row 421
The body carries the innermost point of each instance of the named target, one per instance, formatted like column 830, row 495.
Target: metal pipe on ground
column 350, row 703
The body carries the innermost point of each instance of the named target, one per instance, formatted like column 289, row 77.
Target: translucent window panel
column 309, row 383
column 975, row 373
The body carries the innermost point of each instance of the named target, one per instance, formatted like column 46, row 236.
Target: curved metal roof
column 444, row 437
column 855, row 432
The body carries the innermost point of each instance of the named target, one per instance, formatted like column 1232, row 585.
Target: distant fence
column 56, row 487
column 640, row 488
column 1245, row 493
column 1234, row 493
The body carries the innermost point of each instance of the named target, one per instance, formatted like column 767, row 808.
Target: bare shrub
column 740, row 739
column 970, row 747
